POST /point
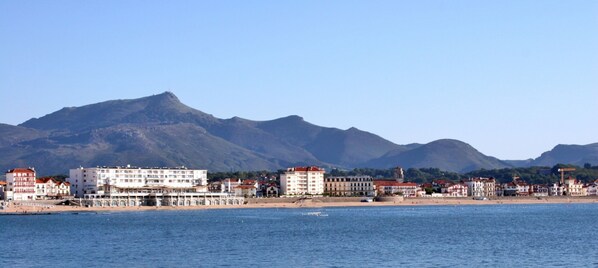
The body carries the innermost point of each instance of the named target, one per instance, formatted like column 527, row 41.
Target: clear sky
column 511, row 78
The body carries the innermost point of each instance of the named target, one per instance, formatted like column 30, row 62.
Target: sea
column 550, row 235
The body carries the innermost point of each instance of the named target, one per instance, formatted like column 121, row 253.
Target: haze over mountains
column 159, row 130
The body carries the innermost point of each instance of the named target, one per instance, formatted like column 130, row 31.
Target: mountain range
column 159, row 130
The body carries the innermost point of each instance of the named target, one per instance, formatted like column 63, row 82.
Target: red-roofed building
column 50, row 188
column 456, row 190
column 20, row 184
column 245, row 190
column 302, row 180
column 407, row 189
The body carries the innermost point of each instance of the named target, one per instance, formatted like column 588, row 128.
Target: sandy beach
column 51, row 209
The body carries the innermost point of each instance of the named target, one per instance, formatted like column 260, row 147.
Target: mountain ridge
column 160, row 130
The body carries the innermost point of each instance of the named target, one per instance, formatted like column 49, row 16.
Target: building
column 270, row 190
column 136, row 186
column 406, row 189
column 230, row 184
column 399, row 174
column 104, row 181
column 302, row 181
column 592, row 188
column 540, row 190
column 247, row 188
column 573, row 187
column 556, row 189
column 2, row 189
column 49, row 188
column 20, row 184
column 455, row 190
column 481, row 187
column 349, row 186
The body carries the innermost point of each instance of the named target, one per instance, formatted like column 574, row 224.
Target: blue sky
column 511, row 78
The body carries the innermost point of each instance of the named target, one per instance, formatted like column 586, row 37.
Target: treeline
column 535, row 175
column 539, row 175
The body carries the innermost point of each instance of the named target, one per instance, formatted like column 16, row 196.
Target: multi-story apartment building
column 106, row 181
column 349, row 186
column 302, row 180
column 20, row 184
column 481, row 187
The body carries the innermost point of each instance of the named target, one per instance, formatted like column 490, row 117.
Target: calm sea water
column 434, row 236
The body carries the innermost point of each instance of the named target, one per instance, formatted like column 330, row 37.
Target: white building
column 573, row 187
column 349, row 186
column 302, row 180
column 50, row 188
column 105, row 181
column 20, row 184
column 481, row 187
column 456, row 190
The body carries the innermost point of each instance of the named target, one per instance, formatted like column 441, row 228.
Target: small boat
column 316, row 213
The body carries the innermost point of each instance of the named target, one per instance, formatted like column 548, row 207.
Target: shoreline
column 58, row 209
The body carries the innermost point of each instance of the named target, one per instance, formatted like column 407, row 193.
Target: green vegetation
column 535, row 175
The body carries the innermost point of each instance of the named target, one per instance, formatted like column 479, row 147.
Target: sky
column 511, row 78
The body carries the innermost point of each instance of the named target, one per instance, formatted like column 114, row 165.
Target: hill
column 160, row 130
column 446, row 154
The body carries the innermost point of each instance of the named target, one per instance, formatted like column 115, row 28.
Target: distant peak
column 167, row 95
column 294, row 117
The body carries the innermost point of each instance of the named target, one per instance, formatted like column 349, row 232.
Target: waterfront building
column 230, row 184
column 481, row 187
column 592, row 189
column 439, row 186
column 103, row 181
column 247, row 188
column 2, row 189
column 573, row 187
column 270, row 190
column 456, row 190
column 50, row 188
column 540, row 190
column 20, row 184
column 245, row 191
column 556, row 189
column 499, row 190
column 136, row 186
column 302, row 181
column 349, row 186
column 406, row 189
column 216, row 187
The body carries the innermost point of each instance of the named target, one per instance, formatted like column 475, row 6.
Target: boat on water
column 316, row 213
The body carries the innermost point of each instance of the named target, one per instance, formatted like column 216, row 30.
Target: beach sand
column 51, row 209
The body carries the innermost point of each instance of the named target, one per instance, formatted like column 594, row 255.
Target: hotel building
column 302, row 180
column 349, row 186
column 20, row 184
column 135, row 186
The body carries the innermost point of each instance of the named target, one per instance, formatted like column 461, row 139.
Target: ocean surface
column 553, row 235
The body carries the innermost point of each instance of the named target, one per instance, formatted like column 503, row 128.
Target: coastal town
column 130, row 186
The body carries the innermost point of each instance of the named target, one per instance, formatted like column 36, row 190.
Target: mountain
column 159, row 130
column 446, row 154
column 568, row 154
